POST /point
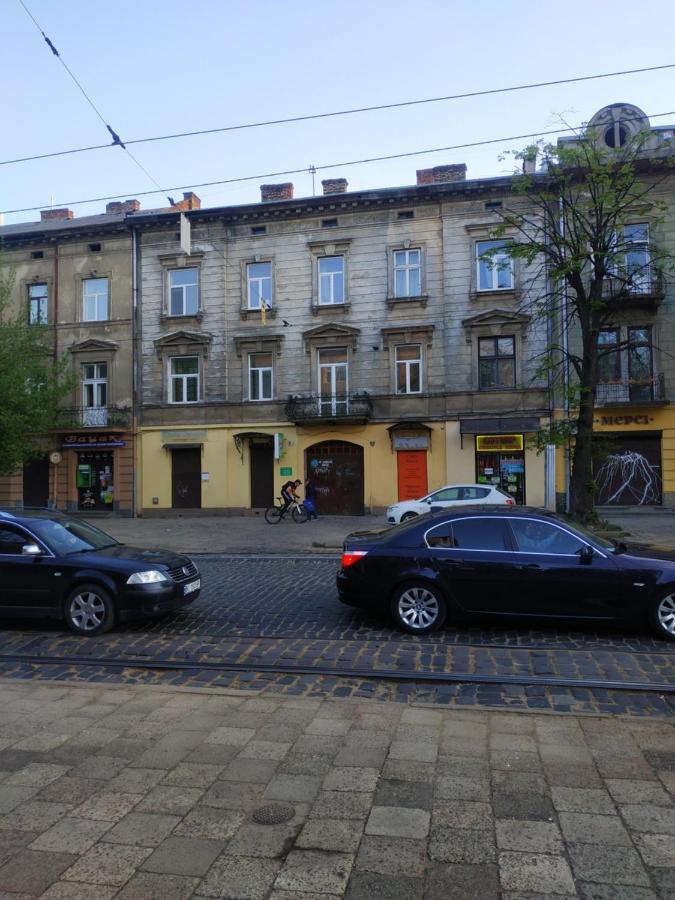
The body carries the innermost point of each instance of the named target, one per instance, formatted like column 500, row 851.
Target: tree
column 32, row 383
column 571, row 225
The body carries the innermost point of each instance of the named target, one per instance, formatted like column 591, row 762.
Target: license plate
column 192, row 586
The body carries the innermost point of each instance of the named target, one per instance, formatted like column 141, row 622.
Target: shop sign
column 87, row 441
column 489, row 443
column 285, row 470
column 183, row 437
column 410, row 442
column 624, row 420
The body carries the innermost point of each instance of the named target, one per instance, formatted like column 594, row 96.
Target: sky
column 155, row 67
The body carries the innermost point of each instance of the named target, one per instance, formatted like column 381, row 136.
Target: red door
column 412, row 474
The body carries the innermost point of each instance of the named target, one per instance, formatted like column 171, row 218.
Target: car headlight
column 152, row 576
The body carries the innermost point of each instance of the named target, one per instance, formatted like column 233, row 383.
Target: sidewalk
column 146, row 793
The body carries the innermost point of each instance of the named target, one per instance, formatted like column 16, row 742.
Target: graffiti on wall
column 628, row 478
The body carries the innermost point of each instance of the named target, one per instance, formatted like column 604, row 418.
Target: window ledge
column 421, row 300
column 168, row 317
column 512, row 293
column 246, row 313
column 330, row 308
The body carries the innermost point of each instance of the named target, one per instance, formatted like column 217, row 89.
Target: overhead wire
column 307, row 169
column 312, row 116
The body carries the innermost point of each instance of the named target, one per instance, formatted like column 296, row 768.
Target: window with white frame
column 38, row 298
column 184, row 292
column 408, row 369
column 95, row 297
column 494, row 266
column 331, row 271
column 259, row 284
column 184, row 379
column 260, row 376
column 407, row 273
column 95, row 393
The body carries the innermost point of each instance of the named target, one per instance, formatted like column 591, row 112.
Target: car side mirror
column 428, row 501
column 31, row 550
column 586, row 555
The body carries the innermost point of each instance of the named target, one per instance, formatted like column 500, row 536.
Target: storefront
column 95, row 473
column 630, row 459
column 500, row 461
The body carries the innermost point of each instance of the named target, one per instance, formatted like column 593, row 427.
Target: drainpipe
column 566, row 364
column 134, row 364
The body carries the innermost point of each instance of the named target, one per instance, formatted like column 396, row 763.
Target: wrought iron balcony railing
column 646, row 285
column 310, row 407
column 95, row 417
column 651, row 390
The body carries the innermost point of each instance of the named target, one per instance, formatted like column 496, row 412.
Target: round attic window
column 616, row 135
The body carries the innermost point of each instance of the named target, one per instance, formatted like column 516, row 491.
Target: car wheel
column 89, row 610
column 662, row 615
column 409, row 515
column 418, row 607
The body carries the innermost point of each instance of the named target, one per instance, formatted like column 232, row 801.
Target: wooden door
column 36, row 482
column 336, row 467
column 262, row 474
column 186, row 478
column 412, row 474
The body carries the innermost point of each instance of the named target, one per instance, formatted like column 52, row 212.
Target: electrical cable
column 304, row 169
column 314, row 116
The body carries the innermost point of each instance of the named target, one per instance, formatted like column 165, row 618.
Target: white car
column 450, row 495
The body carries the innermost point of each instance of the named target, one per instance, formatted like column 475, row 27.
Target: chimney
column 46, row 214
column 276, row 191
column 334, row 185
column 189, row 201
column 530, row 161
column 118, row 207
column 442, row 174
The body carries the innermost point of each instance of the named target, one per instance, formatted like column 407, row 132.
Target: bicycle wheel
column 300, row 514
column 273, row 515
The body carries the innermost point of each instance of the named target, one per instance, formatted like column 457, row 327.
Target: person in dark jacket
column 310, row 495
column 288, row 492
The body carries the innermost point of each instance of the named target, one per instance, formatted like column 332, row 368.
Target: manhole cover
column 274, row 814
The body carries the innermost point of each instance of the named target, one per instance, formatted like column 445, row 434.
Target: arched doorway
column 336, row 468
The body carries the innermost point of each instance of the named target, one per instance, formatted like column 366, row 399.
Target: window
column 95, row 291
column 260, row 369
column 95, row 394
column 259, row 280
column 407, row 273
column 95, row 248
column 440, row 536
column 408, row 369
column 640, row 364
column 496, row 363
column 329, row 223
column 12, row 541
column 183, row 292
column 406, row 214
column 480, row 534
column 533, row 536
column 609, row 361
column 447, row 495
column 184, row 379
column 37, row 304
column 333, row 381
column 331, row 280
column 636, row 241
column 259, row 229
column 495, row 272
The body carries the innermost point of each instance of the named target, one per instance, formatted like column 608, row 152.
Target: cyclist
column 288, row 492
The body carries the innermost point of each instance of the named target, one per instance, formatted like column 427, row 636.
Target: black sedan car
column 55, row 566
column 502, row 561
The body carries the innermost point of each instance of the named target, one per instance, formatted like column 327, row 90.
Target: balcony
column 95, row 417
column 354, row 408
column 644, row 289
column 617, row 393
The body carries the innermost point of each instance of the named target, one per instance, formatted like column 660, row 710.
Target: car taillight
column 510, row 502
column 349, row 557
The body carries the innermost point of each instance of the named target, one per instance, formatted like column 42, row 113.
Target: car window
column 446, row 494
column 71, row 535
column 474, row 493
column 533, row 536
column 11, row 541
column 503, row 493
column 440, row 536
column 480, row 533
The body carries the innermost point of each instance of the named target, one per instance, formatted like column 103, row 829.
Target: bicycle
column 274, row 514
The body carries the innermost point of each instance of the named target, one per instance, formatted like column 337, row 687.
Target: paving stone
column 461, row 845
column 236, row 737
column 107, row 864
column 172, row 749
column 537, row 872
column 149, row 886
column 505, row 741
column 303, row 764
column 564, row 775
column 240, row 877
column 99, row 768
column 107, row 807
column 391, row 856
column 417, row 752
column 614, row 865
column 34, row 815
column 184, row 856
column 462, row 814
column 71, row 835
column 11, row 841
column 328, row 726
column 529, row 837
column 233, row 795
column 369, row 885
column 367, row 757
column 193, row 775
column 646, row 817
column 212, row 754
column 461, row 882
column 71, row 890
column 265, row 750
column 627, row 791
column 322, row 745
column 342, row 805
column 32, row 872
column 589, row 891
column 314, row 871
column 142, row 829
column 71, row 790
column 515, row 761
column 342, row 835
column 256, row 771
column 462, row 766
column 135, row 780
column 588, row 800
column 37, row 774
column 274, row 841
column 508, row 723
column 350, row 778
column 656, row 849
column 169, row 799
column 417, row 734
column 373, row 740
column 398, row 821
column 659, row 759
column 450, row 787
column 617, row 766
column 128, row 749
column 293, row 787
column 42, row 741
column 214, row 824
column 415, row 794
column 13, row 795
column 664, row 880
column 589, row 828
